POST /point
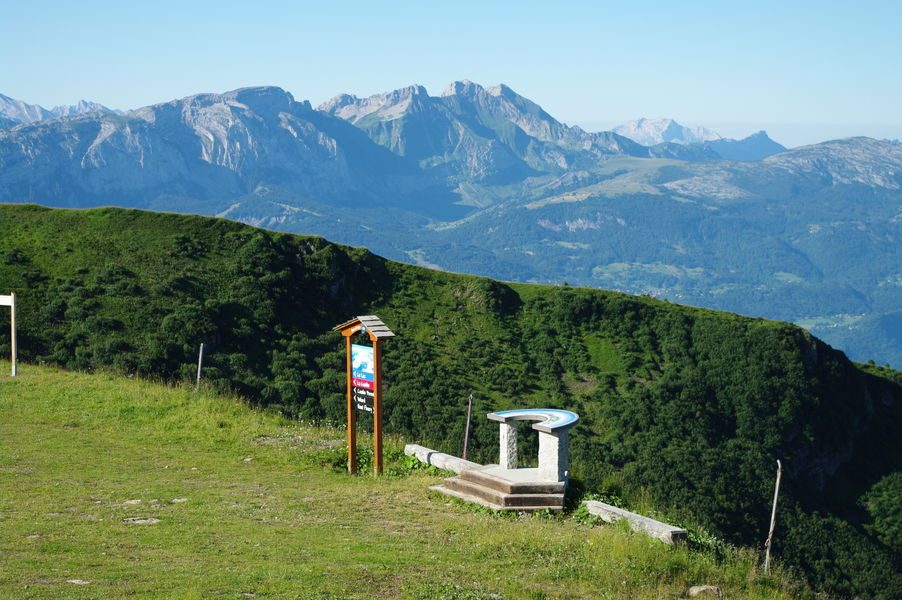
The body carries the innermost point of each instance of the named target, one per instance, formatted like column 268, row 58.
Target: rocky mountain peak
column 264, row 99
column 464, row 87
column 387, row 105
column 502, row 90
column 21, row 112
column 650, row 132
column 80, row 108
column 15, row 112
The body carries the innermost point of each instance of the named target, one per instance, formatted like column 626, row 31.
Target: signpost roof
column 374, row 327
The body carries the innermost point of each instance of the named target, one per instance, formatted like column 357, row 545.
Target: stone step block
column 477, row 500
column 503, row 500
column 512, row 487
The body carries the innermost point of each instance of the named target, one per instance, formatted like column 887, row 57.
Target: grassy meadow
column 116, row 487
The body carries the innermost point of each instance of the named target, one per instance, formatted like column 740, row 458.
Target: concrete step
column 477, row 500
column 502, row 499
column 511, row 487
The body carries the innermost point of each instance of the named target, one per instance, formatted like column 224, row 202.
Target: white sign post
column 10, row 301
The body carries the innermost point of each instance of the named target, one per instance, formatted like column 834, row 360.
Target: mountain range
column 650, row 132
column 15, row 112
column 483, row 180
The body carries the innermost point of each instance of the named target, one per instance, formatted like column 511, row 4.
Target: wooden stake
column 467, row 428
column 773, row 520
column 200, row 362
column 12, row 325
column 377, row 407
column 352, row 416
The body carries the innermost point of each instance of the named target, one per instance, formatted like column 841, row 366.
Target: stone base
column 656, row 529
column 491, row 488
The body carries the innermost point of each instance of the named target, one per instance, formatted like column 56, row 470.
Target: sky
column 804, row 71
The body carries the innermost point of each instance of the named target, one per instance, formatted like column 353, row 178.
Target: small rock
column 33, row 536
column 78, row 581
column 178, row 500
column 141, row 521
column 705, row 591
column 132, row 502
column 248, row 458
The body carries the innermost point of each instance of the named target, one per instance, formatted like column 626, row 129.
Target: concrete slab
column 477, row 500
column 656, row 529
column 524, row 475
column 440, row 459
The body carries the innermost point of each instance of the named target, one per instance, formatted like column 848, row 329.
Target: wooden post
column 377, row 407
column 10, row 301
column 200, row 362
column 352, row 415
column 467, row 428
column 773, row 520
column 12, row 325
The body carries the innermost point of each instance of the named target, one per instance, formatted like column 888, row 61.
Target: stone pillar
column 553, row 456
column 508, row 453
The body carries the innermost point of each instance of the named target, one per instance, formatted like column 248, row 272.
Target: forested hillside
column 685, row 406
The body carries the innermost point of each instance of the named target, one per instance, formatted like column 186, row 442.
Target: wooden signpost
column 364, row 381
column 10, row 301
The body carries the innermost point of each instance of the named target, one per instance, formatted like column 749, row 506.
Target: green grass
column 605, row 356
column 249, row 507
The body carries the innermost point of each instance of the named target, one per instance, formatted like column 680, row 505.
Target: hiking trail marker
column 364, row 374
column 10, row 301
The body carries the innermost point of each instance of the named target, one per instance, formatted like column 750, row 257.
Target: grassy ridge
column 682, row 409
column 244, row 507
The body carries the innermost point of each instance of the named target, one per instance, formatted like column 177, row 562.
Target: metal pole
column 377, row 407
column 12, row 321
column 352, row 415
column 773, row 520
column 200, row 362
column 467, row 428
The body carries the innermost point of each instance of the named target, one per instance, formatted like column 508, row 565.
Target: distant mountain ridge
column 651, row 132
column 483, row 180
column 490, row 135
column 659, row 134
column 14, row 112
column 200, row 149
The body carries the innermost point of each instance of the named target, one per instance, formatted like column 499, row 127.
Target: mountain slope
column 17, row 111
column 686, row 406
column 757, row 146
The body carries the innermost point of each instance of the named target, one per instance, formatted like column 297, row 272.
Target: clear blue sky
column 805, row 71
